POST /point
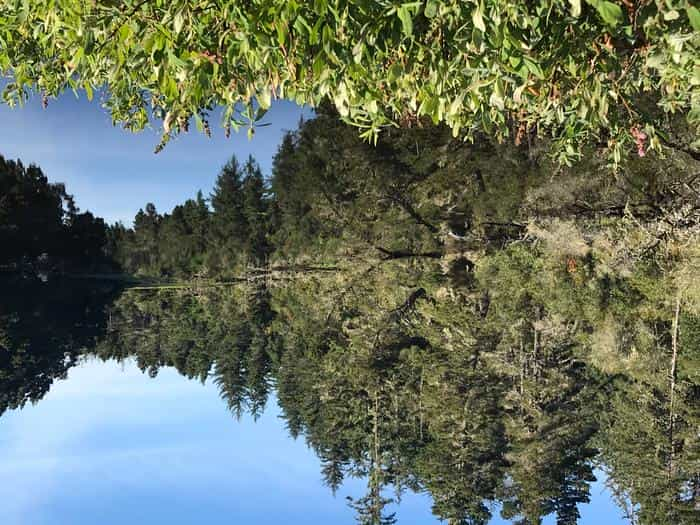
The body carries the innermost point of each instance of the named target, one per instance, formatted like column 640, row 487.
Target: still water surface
column 371, row 397
column 110, row 445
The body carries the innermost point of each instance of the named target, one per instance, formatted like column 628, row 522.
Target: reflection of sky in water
column 112, row 445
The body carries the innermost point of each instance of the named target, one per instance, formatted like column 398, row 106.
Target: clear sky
column 113, row 172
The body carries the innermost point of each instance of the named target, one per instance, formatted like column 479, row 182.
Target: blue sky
column 113, row 172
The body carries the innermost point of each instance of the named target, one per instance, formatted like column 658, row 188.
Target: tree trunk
column 674, row 358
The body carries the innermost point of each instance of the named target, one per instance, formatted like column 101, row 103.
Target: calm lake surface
column 111, row 445
column 299, row 402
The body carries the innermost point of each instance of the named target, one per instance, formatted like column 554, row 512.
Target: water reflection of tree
column 44, row 329
column 509, row 390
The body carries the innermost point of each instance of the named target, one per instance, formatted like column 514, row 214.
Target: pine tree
column 255, row 211
column 229, row 223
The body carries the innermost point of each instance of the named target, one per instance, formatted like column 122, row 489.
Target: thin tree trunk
column 674, row 358
column 376, row 494
column 522, row 371
column 403, row 254
column 535, row 361
column 406, row 206
column 420, row 405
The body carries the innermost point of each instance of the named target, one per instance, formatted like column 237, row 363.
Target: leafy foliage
column 575, row 72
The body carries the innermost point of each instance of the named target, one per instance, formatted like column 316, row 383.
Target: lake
column 335, row 399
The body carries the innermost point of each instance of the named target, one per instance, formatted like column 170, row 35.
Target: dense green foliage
column 41, row 227
column 576, row 72
column 334, row 198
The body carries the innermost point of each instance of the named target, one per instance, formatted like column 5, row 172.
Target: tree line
column 332, row 197
column 42, row 228
column 214, row 236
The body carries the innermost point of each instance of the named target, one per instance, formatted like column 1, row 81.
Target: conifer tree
column 229, row 223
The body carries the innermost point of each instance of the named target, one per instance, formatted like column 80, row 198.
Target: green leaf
column 178, row 23
column 328, row 39
column 518, row 94
column 341, row 100
column 671, row 15
column 478, row 19
column 124, row 32
column 495, row 100
column 406, row 21
column 300, row 24
column 610, row 12
column 357, row 52
column 575, row 8
column 176, row 61
column 694, row 16
column 395, row 71
column 431, row 9
column 657, row 60
column 534, row 68
column 78, row 56
column 265, row 98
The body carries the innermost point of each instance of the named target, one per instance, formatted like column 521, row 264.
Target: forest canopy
column 577, row 73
